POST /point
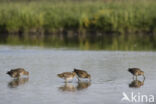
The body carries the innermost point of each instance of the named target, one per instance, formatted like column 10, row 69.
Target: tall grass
column 116, row 16
column 85, row 24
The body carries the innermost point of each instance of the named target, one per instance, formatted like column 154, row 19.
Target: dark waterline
column 137, row 42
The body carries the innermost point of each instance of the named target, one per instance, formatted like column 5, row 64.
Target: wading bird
column 136, row 72
column 16, row 73
column 82, row 74
column 67, row 75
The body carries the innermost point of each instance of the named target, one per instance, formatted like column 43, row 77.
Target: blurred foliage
column 87, row 24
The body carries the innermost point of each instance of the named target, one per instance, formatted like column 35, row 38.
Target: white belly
column 70, row 78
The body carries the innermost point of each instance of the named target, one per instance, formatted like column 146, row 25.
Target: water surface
column 110, row 77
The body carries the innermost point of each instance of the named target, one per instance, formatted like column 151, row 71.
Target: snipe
column 16, row 73
column 82, row 74
column 67, row 75
column 136, row 72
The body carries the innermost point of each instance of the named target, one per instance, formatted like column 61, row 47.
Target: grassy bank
column 83, row 24
column 117, row 16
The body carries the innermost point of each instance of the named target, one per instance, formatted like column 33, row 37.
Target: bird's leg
column 133, row 77
column 144, row 76
column 78, row 78
column 18, row 76
column 143, row 80
column 72, row 80
column 136, row 77
column 89, row 79
column 66, row 80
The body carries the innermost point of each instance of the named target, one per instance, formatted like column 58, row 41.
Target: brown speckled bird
column 16, row 73
column 136, row 72
column 82, row 74
column 67, row 75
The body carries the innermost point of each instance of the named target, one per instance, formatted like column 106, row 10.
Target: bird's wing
column 66, row 74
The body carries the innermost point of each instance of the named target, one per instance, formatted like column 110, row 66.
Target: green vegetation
column 85, row 24
column 117, row 16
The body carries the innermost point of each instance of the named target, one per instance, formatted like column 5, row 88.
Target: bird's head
column 8, row 72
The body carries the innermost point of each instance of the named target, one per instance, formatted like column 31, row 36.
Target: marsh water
column 110, row 78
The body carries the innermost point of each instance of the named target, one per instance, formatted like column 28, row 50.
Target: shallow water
column 110, row 77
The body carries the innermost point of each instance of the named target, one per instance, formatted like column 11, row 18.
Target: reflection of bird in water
column 136, row 72
column 83, row 85
column 136, row 84
column 68, row 87
column 82, row 74
column 16, row 73
column 17, row 82
column 67, row 75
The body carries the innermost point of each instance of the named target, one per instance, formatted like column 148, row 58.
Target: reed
column 85, row 24
column 117, row 16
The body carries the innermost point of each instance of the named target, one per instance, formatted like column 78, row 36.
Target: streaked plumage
column 82, row 74
column 67, row 75
column 16, row 73
column 136, row 72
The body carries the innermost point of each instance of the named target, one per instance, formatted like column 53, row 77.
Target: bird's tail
column 26, row 73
